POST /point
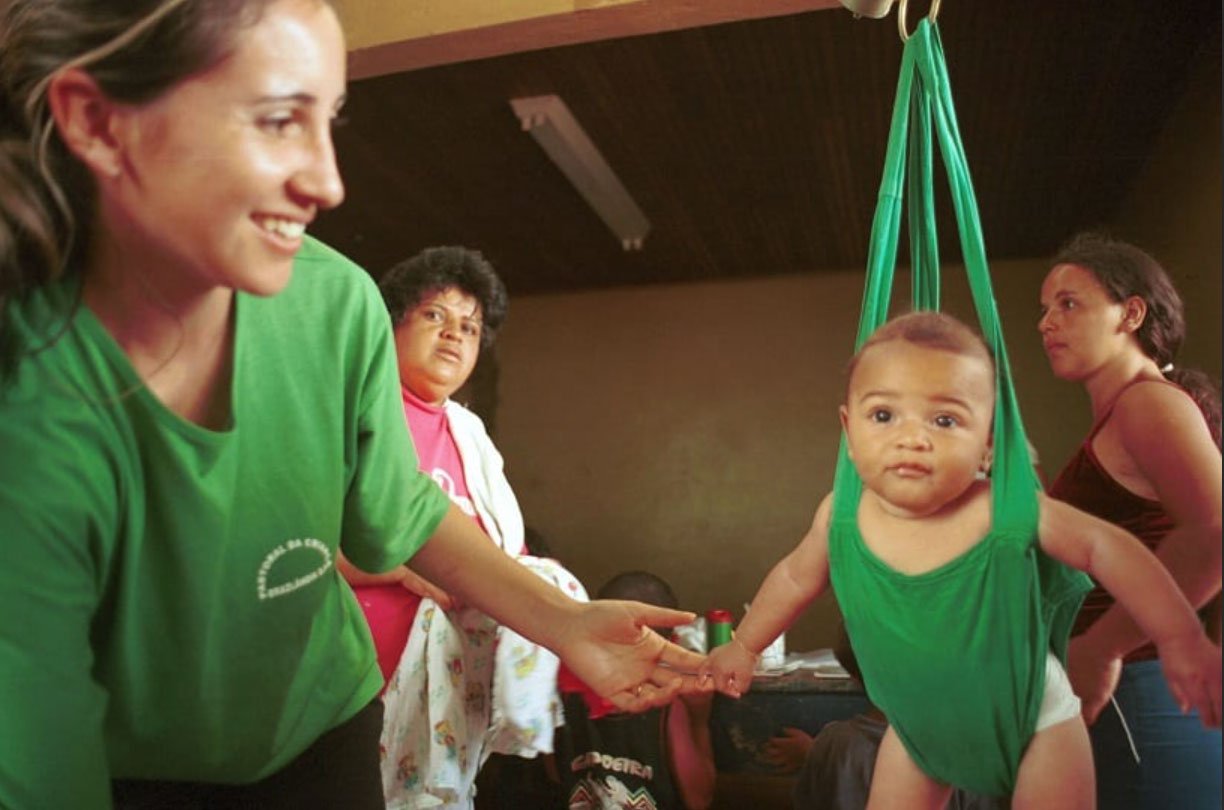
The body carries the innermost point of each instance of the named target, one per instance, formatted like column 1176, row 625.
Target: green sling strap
column 923, row 104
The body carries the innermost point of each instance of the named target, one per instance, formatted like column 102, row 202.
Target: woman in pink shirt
column 439, row 660
column 446, row 304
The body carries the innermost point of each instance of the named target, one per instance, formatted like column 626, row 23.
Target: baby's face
column 918, row 424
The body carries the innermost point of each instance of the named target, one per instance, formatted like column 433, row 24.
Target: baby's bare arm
column 1123, row 565
column 788, row 588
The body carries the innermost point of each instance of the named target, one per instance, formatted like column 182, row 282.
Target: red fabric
column 390, row 611
column 596, row 706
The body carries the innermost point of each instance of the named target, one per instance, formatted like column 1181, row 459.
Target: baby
column 954, row 589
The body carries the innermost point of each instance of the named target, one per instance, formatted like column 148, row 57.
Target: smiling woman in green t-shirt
column 198, row 409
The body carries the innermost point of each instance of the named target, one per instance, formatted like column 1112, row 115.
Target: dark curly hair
column 1124, row 270
column 406, row 284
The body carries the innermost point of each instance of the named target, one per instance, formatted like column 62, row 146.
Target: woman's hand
column 730, row 668
column 1093, row 674
column 610, row 646
column 424, row 588
column 605, row 643
column 1191, row 666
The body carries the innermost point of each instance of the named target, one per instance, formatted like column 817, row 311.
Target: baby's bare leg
column 899, row 783
column 1056, row 770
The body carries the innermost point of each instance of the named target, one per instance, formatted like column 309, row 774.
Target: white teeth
column 283, row 227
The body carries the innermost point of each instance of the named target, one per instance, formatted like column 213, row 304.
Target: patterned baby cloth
column 477, row 688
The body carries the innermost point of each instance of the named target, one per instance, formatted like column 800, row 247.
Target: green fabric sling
column 981, row 686
column 924, row 95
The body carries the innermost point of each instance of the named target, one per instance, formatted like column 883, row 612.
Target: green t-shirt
column 169, row 602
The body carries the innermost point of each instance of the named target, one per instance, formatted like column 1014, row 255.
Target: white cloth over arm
column 465, row 688
column 526, row 704
column 484, row 469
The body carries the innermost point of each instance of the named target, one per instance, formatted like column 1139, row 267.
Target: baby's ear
column 987, row 460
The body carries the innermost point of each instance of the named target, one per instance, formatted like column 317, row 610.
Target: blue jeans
column 1179, row 760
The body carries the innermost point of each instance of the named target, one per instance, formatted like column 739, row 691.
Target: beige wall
column 692, row 429
column 685, row 429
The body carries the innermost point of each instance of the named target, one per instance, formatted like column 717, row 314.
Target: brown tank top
column 1085, row 484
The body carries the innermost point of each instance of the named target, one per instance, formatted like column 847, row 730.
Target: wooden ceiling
column 756, row 147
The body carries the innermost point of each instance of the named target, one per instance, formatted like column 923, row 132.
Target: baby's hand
column 1192, row 667
column 730, row 665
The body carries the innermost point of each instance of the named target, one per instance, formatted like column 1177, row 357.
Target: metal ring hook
column 901, row 14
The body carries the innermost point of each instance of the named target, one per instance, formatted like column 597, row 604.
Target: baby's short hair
column 641, row 586
column 930, row 330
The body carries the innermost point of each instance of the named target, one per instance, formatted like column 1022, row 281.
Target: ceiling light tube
column 564, row 141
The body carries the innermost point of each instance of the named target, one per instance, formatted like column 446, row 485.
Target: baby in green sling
column 958, row 592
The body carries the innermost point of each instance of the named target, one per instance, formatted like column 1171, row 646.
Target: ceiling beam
column 390, row 36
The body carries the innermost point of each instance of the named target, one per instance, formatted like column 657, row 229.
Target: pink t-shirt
column 390, row 609
column 436, row 450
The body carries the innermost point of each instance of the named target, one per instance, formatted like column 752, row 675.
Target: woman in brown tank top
column 1112, row 321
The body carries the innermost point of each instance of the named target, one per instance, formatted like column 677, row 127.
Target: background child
column 663, row 753
column 952, row 606
column 447, row 666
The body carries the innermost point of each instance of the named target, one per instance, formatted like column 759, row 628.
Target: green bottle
column 718, row 628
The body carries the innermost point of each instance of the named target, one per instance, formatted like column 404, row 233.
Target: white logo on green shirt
column 303, row 545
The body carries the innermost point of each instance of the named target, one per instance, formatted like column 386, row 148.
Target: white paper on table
column 821, row 663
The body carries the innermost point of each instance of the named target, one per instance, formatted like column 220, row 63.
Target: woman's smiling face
column 219, row 177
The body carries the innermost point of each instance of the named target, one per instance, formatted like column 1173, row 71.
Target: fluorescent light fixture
column 874, row 9
column 556, row 130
